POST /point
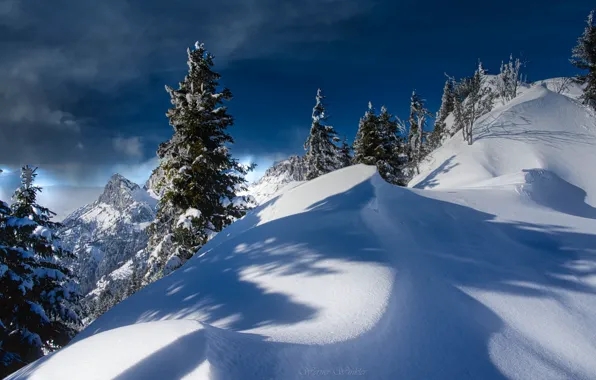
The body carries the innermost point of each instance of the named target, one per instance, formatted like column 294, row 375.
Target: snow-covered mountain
column 283, row 175
column 106, row 234
column 486, row 268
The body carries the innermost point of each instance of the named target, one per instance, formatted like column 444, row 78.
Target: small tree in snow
column 561, row 85
column 37, row 292
column 440, row 127
column 584, row 58
column 472, row 99
column 508, row 80
column 416, row 122
column 321, row 151
column 201, row 178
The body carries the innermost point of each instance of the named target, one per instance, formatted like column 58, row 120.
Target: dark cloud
column 63, row 64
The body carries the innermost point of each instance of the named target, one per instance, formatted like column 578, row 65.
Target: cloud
column 131, row 146
column 63, row 62
column 138, row 173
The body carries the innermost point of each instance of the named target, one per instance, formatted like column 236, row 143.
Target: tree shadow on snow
column 431, row 180
column 431, row 328
column 510, row 130
column 173, row 361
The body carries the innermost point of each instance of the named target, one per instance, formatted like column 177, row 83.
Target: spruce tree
column 201, row 178
column 389, row 164
column 321, row 152
column 377, row 144
column 584, row 58
column 368, row 145
column 37, row 292
column 345, row 154
column 447, row 106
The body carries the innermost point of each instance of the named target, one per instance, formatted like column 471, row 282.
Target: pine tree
column 508, row 80
column 417, row 122
column 37, row 292
column 321, row 152
column 447, row 105
column 584, row 58
column 201, row 178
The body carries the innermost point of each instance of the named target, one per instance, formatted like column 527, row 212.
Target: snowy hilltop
column 105, row 235
column 482, row 269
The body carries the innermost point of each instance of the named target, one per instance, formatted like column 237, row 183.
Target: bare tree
column 509, row 79
column 473, row 99
column 561, row 85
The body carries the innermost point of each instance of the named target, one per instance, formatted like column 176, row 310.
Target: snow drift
column 490, row 273
column 538, row 129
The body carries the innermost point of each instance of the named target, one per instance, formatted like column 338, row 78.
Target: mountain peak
column 118, row 191
column 122, row 181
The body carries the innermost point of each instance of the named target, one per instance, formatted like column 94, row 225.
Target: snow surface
column 486, row 269
column 538, row 130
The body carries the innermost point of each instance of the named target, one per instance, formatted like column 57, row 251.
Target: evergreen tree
column 508, row 80
column 417, row 122
column 447, row 105
column 584, row 58
column 377, row 144
column 390, row 163
column 37, row 292
column 135, row 283
column 321, row 152
column 368, row 144
column 460, row 93
column 345, row 154
column 201, row 178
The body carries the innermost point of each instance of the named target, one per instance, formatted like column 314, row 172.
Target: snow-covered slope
column 563, row 85
column 488, row 273
column 106, row 234
column 348, row 275
column 538, row 130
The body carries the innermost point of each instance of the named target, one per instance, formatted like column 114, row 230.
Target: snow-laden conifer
column 439, row 132
column 584, row 58
column 322, row 155
column 37, row 293
column 201, row 178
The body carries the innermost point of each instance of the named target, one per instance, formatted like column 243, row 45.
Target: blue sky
column 82, row 83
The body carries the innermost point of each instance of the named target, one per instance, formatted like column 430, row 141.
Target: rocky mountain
column 106, row 234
